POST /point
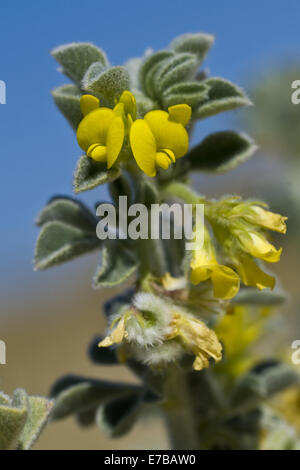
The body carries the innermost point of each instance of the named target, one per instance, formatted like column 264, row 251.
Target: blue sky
column 38, row 150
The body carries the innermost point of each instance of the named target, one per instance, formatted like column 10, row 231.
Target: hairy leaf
column 90, row 174
column 117, row 416
column 221, row 151
column 76, row 58
column 198, row 44
column 59, row 242
column 222, row 96
column 67, row 99
column 191, row 93
column 117, row 265
column 68, row 210
column 109, row 83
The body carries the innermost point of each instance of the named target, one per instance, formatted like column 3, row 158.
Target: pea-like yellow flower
column 240, row 228
column 102, row 130
column 251, row 274
column 197, row 338
column 160, row 138
column 204, row 266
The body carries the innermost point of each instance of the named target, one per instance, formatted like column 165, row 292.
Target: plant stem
column 178, row 411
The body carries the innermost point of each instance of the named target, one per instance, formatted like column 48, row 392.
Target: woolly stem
column 178, row 411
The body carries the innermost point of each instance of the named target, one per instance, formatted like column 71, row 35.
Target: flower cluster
column 155, row 141
column 239, row 228
column 160, row 332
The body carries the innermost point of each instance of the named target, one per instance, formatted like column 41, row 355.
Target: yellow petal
column 97, row 152
column 199, row 274
column 267, row 219
column 252, row 275
column 163, row 160
column 115, row 139
column 88, row 103
column 168, row 134
column 225, row 281
column 129, row 102
column 180, row 113
column 258, row 246
column 143, row 146
column 94, row 127
column 116, row 336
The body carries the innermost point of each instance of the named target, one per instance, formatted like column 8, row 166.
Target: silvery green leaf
column 198, row 44
column 39, row 409
column 262, row 382
column 76, row 58
column 67, row 99
column 109, row 83
column 191, row 93
column 173, row 70
column 221, row 151
column 116, row 266
column 90, row 174
column 117, row 416
column 152, row 62
column 133, row 66
column 69, row 211
column 252, row 296
column 12, row 420
column 59, row 242
column 85, row 395
column 223, row 96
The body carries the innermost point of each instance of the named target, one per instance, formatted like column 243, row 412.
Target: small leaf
column 117, row 416
column 86, row 395
column 147, row 67
column 67, row 210
column 109, row 83
column 102, row 356
column 39, row 409
column 117, row 265
column 198, row 44
column 223, row 96
column 59, row 242
column 191, row 93
column 221, row 151
column 67, row 99
column 76, row 58
column 12, row 420
column 90, row 174
column 133, row 66
column 175, row 69
column 251, row 296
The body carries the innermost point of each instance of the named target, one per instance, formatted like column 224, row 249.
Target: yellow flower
column 102, row 130
column 256, row 245
column 251, row 274
column 160, row 138
column 197, row 338
column 238, row 332
column 259, row 216
column 204, row 266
